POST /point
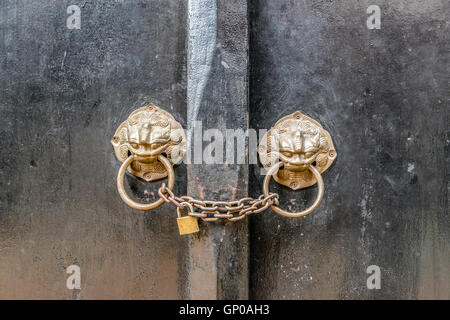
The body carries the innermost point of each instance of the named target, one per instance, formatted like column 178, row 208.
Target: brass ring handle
column 134, row 204
column 305, row 212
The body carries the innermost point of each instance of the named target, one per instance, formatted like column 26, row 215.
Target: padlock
column 187, row 224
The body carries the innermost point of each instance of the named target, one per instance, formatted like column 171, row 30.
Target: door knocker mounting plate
column 299, row 142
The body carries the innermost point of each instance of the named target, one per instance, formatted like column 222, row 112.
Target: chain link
column 215, row 210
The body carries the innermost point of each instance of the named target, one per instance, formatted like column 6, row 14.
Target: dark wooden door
column 382, row 95
column 231, row 64
column 63, row 93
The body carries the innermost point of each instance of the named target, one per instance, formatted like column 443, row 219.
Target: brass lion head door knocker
column 305, row 150
column 151, row 141
column 140, row 142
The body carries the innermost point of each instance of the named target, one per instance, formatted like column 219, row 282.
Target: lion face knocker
column 148, row 132
column 299, row 142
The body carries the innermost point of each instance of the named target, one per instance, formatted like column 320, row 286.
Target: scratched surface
column 62, row 95
column 382, row 94
column 218, row 96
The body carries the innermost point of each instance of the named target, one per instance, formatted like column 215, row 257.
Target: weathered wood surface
column 382, row 94
column 218, row 97
column 62, row 95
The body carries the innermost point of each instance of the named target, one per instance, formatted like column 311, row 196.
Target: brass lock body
column 187, row 224
column 298, row 142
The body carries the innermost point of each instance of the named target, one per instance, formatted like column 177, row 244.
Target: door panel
column 382, row 95
column 63, row 93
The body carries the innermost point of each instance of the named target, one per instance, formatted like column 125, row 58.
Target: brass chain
column 215, row 210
